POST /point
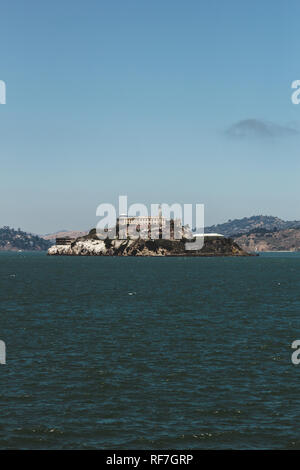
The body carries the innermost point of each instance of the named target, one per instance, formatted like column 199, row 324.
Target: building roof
column 208, row 235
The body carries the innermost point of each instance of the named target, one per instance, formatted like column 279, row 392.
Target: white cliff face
column 86, row 247
column 97, row 248
column 89, row 247
column 59, row 250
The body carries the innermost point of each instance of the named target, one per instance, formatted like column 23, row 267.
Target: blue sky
column 135, row 97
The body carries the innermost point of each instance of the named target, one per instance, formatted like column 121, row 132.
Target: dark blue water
column 149, row 353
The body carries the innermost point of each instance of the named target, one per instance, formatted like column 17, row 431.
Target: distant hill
column 261, row 233
column 15, row 240
column 274, row 240
column 237, row 227
column 62, row 234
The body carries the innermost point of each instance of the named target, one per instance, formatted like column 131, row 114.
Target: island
column 91, row 245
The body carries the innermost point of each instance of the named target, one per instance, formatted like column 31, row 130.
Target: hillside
column 237, row 227
column 15, row 240
column 63, row 234
column 276, row 240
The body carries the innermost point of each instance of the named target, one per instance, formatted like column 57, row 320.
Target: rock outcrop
column 91, row 246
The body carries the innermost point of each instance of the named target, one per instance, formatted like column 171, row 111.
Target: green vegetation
column 14, row 240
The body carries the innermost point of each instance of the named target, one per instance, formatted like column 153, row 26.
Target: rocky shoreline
column 91, row 246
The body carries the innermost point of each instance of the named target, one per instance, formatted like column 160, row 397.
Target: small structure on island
column 65, row 241
column 212, row 235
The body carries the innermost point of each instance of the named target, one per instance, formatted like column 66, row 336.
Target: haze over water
column 149, row 353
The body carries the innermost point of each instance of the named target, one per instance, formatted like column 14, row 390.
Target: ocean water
column 149, row 353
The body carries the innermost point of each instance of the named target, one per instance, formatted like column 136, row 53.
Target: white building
column 212, row 235
column 141, row 220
